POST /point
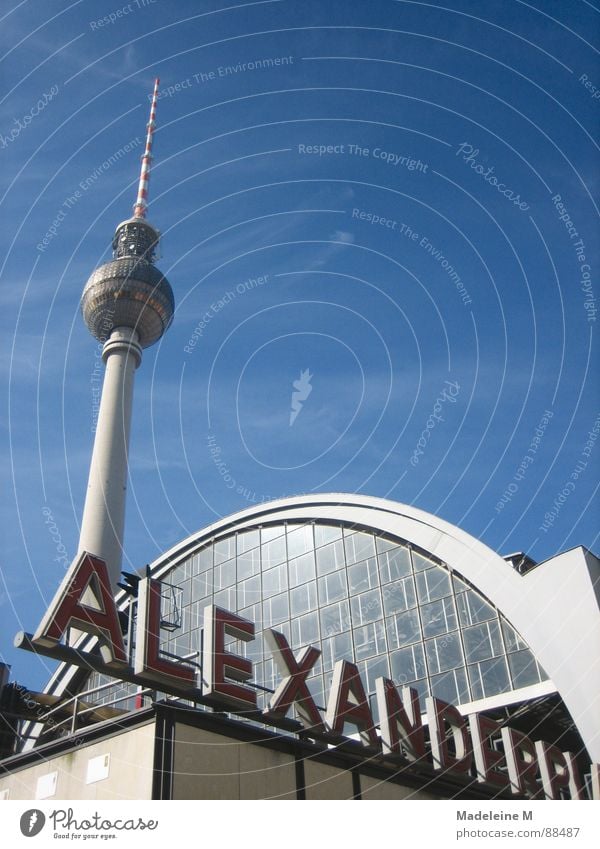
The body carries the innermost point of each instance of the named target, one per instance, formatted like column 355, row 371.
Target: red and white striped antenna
column 139, row 210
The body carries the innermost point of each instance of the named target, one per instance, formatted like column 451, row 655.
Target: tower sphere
column 129, row 291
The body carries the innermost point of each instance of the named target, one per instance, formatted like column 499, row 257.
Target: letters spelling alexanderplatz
column 326, row 646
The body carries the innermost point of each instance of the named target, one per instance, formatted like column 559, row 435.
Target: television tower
column 127, row 304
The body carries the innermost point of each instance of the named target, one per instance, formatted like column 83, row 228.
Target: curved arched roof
column 554, row 607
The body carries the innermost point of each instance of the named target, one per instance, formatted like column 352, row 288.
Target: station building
column 400, row 594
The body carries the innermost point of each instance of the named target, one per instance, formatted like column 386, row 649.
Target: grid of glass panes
column 355, row 595
column 358, row 596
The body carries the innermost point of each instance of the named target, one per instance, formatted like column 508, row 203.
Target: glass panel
column 224, row 575
column 420, row 562
column 366, row 607
column 196, row 641
column 248, row 592
column 226, row 598
column 371, row 670
column 188, row 619
column 317, row 668
column 111, row 694
column 482, row 641
column 258, row 671
column 451, row 686
column 302, row 569
column 330, row 558
column 374, row 709
column 444, row 653
column 523, row 669
column 332, row 587
column 316, row 687
column 286, row 630
column 253, row 613
column 399, row 596
column 305, row 630
column 183, row 644
column 363, row 576
column 248, row 564
column 203, row 560
column 403, row 628
column 422, row 688
column 224, row 549
column 326, row 533
column 359, row 546
column 300, row 541
column 275, row 610
column 384, row 544
column 274, row 581
column 303, row 599
column 247, row 540
column 472, row 608
column 336, row 648
column 438, row 617
column 459, row 585
column 432, row 584
column 175, row 598
column 269, row 533
column 197, row 615
column 408, row 664
column 369, row 640
column 335, row 619
column 394, row 564
column 489, row 678
column 262, row 699
column 176, row 576
column 253, row 650
column 273, row 552
column 201, row 586
column 512, row 640
column 269, row 674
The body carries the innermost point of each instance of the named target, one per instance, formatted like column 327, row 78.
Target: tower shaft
column 103, row 521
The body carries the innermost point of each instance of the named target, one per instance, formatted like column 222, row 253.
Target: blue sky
column 398, row 197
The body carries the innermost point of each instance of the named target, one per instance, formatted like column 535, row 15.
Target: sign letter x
column 294, row 671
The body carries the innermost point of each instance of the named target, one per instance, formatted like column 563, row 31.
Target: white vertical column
column 103, row 521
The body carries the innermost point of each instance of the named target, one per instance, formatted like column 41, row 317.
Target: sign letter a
column 87, row 578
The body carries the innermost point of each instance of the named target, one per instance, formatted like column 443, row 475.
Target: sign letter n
column 85, row 601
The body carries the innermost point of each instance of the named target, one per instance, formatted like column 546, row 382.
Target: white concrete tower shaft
column 103, row 522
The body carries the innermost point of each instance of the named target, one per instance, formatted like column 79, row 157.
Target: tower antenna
column 139, row 210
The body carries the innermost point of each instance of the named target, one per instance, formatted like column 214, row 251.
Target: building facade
column 401, row 594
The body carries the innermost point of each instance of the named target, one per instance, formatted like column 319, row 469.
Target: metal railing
column 78, row 712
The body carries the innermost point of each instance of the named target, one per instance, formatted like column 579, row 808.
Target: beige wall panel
column 326, row 782
column 211, row 766
column 205, row 765
column 372, row 788
column 266, row 773
column 129, row 777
